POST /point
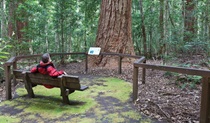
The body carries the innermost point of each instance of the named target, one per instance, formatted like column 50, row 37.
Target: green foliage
column 196, row 47
column 184, row 81
column 59, row 25
column 170, row 74
column 188, row 81
column 71, row 26
column 174, row 30
column 4, row 55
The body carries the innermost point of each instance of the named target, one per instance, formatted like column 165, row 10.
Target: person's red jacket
column 47, row 68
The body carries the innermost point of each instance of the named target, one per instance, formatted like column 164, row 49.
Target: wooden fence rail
column 205, row 96
column 11, row 65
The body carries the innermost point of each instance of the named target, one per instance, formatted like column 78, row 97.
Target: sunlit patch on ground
column 107, row 100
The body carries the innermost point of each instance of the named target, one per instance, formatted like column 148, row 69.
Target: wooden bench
column 63, row 82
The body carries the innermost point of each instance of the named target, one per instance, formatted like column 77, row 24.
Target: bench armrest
column 70, row 76
column 83, row 87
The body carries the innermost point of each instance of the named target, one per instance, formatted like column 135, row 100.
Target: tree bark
column 150, row 36
column 162, row 43
column 143, row 29
column 114, row 29
column 3, row 20
column 20, row 26
column 161, row 19
column 21, row 22
column 207, row 24
column 189, row 20
column 17, row 20
column 11, row 24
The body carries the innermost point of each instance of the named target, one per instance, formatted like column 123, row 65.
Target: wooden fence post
column 86, row 62
column 135, row 83
column 120, row 65
column 13, row 68
column 7, row 71
column 143, row 74
column 205, row 101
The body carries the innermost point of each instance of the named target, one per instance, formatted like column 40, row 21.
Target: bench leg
column 64, row 95
column 28, row 86
column 69, row 91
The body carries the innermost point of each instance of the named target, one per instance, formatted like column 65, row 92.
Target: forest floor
column 162, row 97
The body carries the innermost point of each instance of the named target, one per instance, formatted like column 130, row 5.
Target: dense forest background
column 160, row 28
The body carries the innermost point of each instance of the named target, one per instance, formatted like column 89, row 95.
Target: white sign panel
column 94, row 51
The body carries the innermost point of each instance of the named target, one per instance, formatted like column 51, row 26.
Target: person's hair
column 45, row 57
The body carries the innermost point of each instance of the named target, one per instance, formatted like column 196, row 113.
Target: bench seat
column 63, row 82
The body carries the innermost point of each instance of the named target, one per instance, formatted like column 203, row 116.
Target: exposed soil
column 161, row 97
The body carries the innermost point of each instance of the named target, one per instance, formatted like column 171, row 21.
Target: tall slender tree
column 162, row 29
column 207, row 19
column 21, row 20
column 189, row 20
column 17, row 19
column 3, row 18
column 11, row 24
column 143, row 28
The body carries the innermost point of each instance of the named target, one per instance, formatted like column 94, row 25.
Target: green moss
column 116, row 88
column 8, row 102
column 9, row 119
column 132, row 115
column 115, row 118
column 47, row 103
column 146, row 121
column 52, row 107
column 32, row 117
column 86, row 120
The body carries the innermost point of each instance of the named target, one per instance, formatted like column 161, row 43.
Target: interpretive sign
column 94, row 51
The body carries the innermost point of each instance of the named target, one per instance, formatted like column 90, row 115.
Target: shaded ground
column 160, row 97
column 106, row 101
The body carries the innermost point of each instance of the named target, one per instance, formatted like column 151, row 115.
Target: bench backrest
column 18, row 74
column 67, row 81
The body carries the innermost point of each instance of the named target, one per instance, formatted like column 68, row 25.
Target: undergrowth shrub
column 195, row 47
column 4, row 55
column 184, row 81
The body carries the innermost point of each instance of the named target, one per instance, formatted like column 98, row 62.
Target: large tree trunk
column 114, row 29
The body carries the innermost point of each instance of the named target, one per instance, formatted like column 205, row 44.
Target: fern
column 4, row 54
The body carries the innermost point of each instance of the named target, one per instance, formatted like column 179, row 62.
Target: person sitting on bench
column 47, row 67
